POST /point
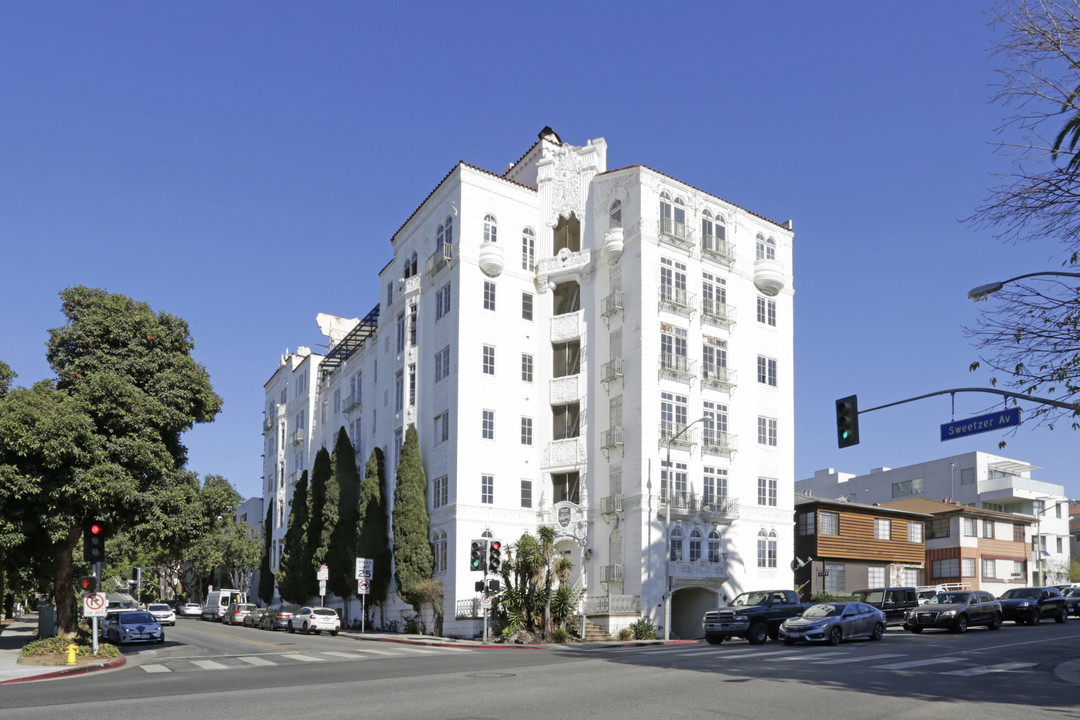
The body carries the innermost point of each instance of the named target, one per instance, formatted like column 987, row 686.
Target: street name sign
column 980, row 424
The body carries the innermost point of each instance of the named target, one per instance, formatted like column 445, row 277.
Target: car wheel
column 161, row 639
column 758, row 634
column 306, row 630
column 995, row 623
column 835, row 636
column 1035, row 617
column 714, row 639
column 960, row 626
column 879, row 632
column 290, row 628
column 915, row 629
column 333, row 633
column 1062, row 616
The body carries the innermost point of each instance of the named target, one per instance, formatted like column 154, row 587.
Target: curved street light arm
column 983, row 291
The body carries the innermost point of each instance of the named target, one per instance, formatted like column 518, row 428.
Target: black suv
column 1031, row 604
column 894, row 601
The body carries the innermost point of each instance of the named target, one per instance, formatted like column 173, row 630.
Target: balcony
column 611, row 439
column 611, row 573
column 721, row 251
column 469, row 608
column 564, row 453
column 611, row 504
column 565, row 390
column 612, row 305
column 677, row 367
column 439, row 259
column 717, row 314
column 268, row 422
column 613, row 605
column 350, row 403
column 718, row 443
column 684, row 439
column 675, row 233
column 769, row 276
column 611, row 371
column 296, row 437
column 699, row 570
column 715, row 377
column 293, row 477
column 719, row 509
column 676, row 300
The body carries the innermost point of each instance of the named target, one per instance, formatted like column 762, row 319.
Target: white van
column 218, row 600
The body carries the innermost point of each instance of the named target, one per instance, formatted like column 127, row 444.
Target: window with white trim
column 526, row 306
column 489, row 360
column 440, row 492
column 766, row 371
column 487, row 489
column 766, row 491
column 442, row 302
column 526, row 367
column 915, row 532
column 489, row 295
column 766, row 431
column 490, row 228
column 526, row 431
column 487, row 426
column 882, row 529
column 442, row 364
column 528, row 249
column 765, row 248
column 766, row 311
column 442, row 427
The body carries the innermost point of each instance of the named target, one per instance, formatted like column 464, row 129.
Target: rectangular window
column 489, row 360
column 948, row 568
column 526, row 367
column 673, row 282
column 835, row 581
column 565, row 421
column 399, row 440
column 673, row 413
column 566, row 359
column 915, row 532
column 526, row 431
column 401, row 331
column 489, row 295
column 567, row 298
column 487, row 489
column 526, row 493
column 828, row 523
column 399, row 390
column 440, row 492
column 969, row 527
column 766, row 431
column 673, row 353
column 766, row 311
column 967, row 476
column 442, row 428
column 412, row 385
column 806, row 523
column 389, row 294
column 1018, row 533
column 565, row 487
column 442, row 364
column 882, row 529
column 938, row 528
column 412, row 325
column 989, row 570
column 488, row 425
column 907, row 487
column 766, row 491
column 988, row 528
column 337, row 401
column 967, row 567
column 442, row 303
column 766, row 371
column 875, row 576
column 715, row 485
column 526, row 306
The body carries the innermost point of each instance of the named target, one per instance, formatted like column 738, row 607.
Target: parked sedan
column 956, row 611
column 236, row 613
column 253, row 618
column 1072, row 600
column 135, row 626
column 162, row 613
column 1032, row 604
column 190, row 610
column 315, row 619
column 833, row 622
column 277, row 616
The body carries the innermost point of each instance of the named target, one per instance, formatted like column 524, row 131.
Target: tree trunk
column 67, row 610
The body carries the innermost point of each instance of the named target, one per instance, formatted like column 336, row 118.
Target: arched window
column 714, row 547
column 439, row 551
column 439, row 238
column 615, row 214
column 695, row 545
column 528, row 249
column 766, row 248
column 490, row 228
column 672, row 216
column 449, row 230
column 407, row 270
column 676, row 543
column 665, row 212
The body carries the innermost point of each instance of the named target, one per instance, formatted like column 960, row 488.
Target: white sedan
column 162, row 613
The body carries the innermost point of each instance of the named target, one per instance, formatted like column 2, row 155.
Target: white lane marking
column 373, row 652
column 209, row 665
column 155, row 668
column 864, row 658
column 987, row 669
column 918, row 663
column 257, row 661
column 302, row 658
column 346, row 655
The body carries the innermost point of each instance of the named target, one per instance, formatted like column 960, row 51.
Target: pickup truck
column 755, row 616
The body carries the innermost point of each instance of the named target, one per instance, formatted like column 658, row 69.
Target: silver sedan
column 833, row 622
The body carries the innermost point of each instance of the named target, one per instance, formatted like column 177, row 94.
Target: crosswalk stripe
column 917, row 663
column 987, row 669
column 373, row 652
column 800, row 656
column 416, row 651
column 302, row 658
column 865, row 658
column 257, row 661
column 346, row 655
column 155, row 668
column 209, row 665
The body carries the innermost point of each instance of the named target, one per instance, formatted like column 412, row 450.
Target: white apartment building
column 975, row 479
column 556, row 332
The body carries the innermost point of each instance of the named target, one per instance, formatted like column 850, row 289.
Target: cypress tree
column 373, row 526
column 324, row 510
column 413, row 559
column 295, row 567
column 342, row 554
column 266, row 577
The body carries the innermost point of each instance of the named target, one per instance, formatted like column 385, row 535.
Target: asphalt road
column 208, row 670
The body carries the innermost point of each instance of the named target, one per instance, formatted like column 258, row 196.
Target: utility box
column 46, row 621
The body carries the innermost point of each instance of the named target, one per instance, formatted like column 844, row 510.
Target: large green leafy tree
column 266, row 576
column 342, row 554
column 413, row 559
column 296, row 578
column 323, row 503
column 373, row 527
column 103, row 441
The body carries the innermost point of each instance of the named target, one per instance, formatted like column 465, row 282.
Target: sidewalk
column 22, row 631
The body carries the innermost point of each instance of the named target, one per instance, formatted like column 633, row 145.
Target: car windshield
column 1071, row 592
column 1025, row 593
column 868, row 596
column 823, row 610
column 751, row 598
column 949, row 599
column 136, row 617
column 159, row 608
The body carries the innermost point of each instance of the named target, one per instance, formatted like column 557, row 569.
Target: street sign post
column 980, row 424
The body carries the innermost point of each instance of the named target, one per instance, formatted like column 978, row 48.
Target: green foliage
column 373, row 527
column 560, row 635
column 6, row 376
column 1074, row 571
column 295, row 577
column 344, row 540
column 266, row 576
column 58, row 645
column 822, row 597
column 413, row 559
column 626, row 634
column 538, row 597
column 429, row 592
column 322, row 506
column 643, row 629
column 414, row 625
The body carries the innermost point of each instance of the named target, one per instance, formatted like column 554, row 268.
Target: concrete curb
column 69, row 671
column 476, row 645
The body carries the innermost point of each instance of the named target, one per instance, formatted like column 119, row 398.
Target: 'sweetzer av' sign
column 981, row 424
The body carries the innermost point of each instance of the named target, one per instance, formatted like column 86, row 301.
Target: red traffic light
column 496, row 545
column 95, row 529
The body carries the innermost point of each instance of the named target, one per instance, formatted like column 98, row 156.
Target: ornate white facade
column 556, row 332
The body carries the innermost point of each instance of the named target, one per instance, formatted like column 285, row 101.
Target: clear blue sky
column 244, row 164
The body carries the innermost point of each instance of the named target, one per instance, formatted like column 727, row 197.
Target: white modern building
column 556, row 332
column 975, row 479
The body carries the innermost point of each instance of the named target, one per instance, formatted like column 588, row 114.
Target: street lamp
column 983, row 291
column 667, row 527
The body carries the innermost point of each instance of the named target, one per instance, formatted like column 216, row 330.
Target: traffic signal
column 492, row 587
column 494, row 556
column 477, row 555
column 847, row 421
column 86, row 585
column 94, row 542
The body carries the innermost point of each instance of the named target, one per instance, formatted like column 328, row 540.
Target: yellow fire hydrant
column 72, row 650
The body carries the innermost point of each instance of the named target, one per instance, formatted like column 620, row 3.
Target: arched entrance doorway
column 688, row 607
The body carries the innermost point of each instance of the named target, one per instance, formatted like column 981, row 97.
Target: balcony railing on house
column 677, row 367
column 611, row 370
column 613, row 605
column 711, row 508
column 611, row 573
column 611, row 439
column 469, row 608
column 296, row 437
column 716, row 313
column 268, row 422
column 714, row 442
column 612, row 305
column 684, row 440
column 701, row 569
column 715, row 377
column 676, row 300
column 716, row 249
column 675, row 233
column 719, row 508
column 350, row 403
column 440, row 258
column 611, row 504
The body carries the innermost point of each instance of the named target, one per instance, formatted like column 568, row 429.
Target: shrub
column 413, row 625
column 57, row 645
column 560, row 635
column 643, row 629
column 625, row 634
